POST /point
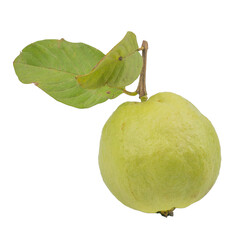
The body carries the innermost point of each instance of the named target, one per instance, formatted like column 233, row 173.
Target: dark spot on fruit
column 36, row 83
column 120, row 58
column 194, row 195
column 108, row 92
column 123, row 126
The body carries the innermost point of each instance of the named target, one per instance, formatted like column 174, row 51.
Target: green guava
column 160, row 154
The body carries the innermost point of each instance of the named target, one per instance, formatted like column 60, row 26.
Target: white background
column 50, row 184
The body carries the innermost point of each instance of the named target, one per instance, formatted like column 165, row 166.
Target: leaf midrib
column 53, row 69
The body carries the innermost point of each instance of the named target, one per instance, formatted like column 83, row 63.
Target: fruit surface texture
column 159, row 154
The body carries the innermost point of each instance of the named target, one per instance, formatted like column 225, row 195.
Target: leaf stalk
column 130, row 93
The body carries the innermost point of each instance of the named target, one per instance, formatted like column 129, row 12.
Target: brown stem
column 141, row 89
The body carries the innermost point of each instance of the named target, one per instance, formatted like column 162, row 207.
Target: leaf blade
column 53, row 64
column 119, row 68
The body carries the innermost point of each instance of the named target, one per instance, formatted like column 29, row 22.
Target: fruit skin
column 159, row 154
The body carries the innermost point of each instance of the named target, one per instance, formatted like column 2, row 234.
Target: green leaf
column 53, row 66
column 119, row 68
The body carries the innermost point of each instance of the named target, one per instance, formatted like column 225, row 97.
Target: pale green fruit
column 159, row 154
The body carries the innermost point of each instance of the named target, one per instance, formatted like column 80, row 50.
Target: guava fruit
column 159, row 155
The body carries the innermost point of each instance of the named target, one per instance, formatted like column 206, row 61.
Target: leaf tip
column 60, row 42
